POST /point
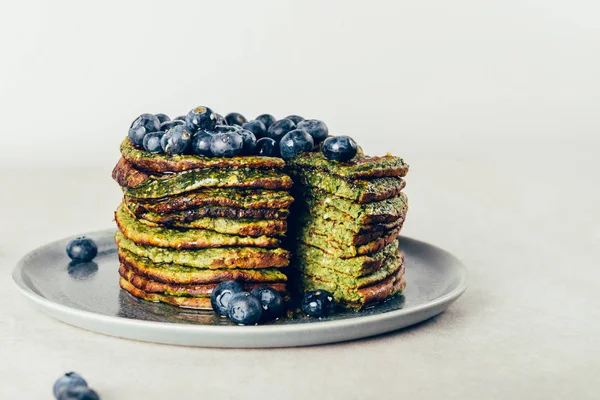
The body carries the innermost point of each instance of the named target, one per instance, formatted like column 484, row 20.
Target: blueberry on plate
column 82, row 249
column 256, row 127
column 220, row 296
column 176, row 140
column 201, row 143
column 227, row 144
column 200, row 118
column 267, row 147
column 78, row 393
column 249, row 142
column 266, row 119
column 271, row 302
column 315, row 128
column 145, row 123
column 339, row 148
column 165, row 126
column 152, row 142
column 180, row 118
column 162, row 117
column 220, row 119
column 318, row 303
column 244, row 309
column 280, row 128
column 235, row 119
column 295, row 142
column 295, row 118
column 70, row 379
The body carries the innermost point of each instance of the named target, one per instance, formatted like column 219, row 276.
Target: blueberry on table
column 201, row 143
column 295, row 118
column 280, row 128
column 244, row 309
column 200, row 118
column 70, row 379
column 162, row 117
column 78, row 393
column 315, row 128
column 249, row 142
column 266, row 119
column 165, row 126
column 267, row 147
column 235, row 119
column 176, row 140
column 318, row 303
column 256, row 127
column 295, row 142
column 271, row 302
column 220, row 119
column 82, row 249
column 144, row 124
column 339, row 148
column 220, row 296
column 227, row 144
column 152, row 142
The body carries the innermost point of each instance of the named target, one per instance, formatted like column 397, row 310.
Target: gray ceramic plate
column 88, row 296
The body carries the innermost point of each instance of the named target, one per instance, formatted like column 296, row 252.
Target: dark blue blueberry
column 82, row 270
column 70, row 379
column 266, row 119
column 152, row 142
column 78, row 393
column 201, row 143
column 315, row 128
column 176, row 140
column 225, row 128
column 200, row 118
column 295, row 118
column 82, row 249
column 249, row 142
column 244, row 309
column 271, row 302
column 318, row 303
column 256, row 127
column 235, row 119
column 227, row 144
column 267, row 147
column 219, row 298
column 162, row 117
column 220, row 119
column 280, row 128
column 180, row 118
column 145, row 123
column 295, row 142
column 165, row 126
column 339, row 148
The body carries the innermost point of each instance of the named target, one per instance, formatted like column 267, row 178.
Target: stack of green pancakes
column 345, row 223
column 187, row 223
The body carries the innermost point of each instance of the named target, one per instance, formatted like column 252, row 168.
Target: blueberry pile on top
column 203, row 132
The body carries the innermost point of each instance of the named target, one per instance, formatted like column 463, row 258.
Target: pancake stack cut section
column 187, row 223
column 345, row 222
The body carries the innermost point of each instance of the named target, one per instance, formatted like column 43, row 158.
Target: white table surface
column 523, row 217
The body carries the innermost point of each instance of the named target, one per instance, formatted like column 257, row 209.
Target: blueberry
column 225, row 128
column 176, row 140
column 201, row 143
column 266, row 119
column 271, row 302
column 70, row 379
column 78, row 393
column 256, row 127
column 227, row 144
column 165, row 126
column 235, row 119
column 219, row 298
column 280, row 128
column 145, row 123
column 315, row 128
column 318, row 303
column 162, row 117
column 295, row 118
column 249, row 142
column 220, row 120
column 180, row 118
column 295, row 142
column 244, row 309
column 267, row 147
column 339, row 148
column 200, row 118
column 152, row 142
column 82, row 249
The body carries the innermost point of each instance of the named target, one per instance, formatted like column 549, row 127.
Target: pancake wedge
column 202, row 303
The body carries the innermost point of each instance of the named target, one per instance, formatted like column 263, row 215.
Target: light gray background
column 494, row 105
